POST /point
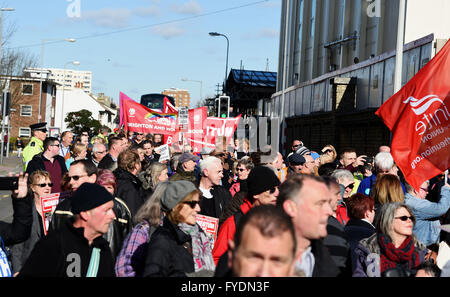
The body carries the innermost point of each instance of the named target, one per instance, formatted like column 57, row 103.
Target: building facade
column 182, row 97
column 68, row 78
column 25, row 105
column 337, row 64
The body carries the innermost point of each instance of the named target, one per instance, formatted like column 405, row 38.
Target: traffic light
column 224, row 107
column 6, row 102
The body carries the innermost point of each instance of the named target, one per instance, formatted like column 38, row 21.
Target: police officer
column 36, row 144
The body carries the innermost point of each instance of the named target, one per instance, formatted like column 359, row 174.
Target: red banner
column 138, row 118
column 419, row 118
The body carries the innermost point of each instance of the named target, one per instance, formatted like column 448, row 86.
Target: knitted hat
column 175, row 192
column 302, row 150
column 89, row 196
column 261, row 179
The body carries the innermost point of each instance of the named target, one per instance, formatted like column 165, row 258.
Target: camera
column 9, row 183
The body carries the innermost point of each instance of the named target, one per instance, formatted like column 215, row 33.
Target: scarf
column 201, row 247
column 404, row 256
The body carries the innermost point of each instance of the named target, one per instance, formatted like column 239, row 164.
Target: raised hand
column 22, row 190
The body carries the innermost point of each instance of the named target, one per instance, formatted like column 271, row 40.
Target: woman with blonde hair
column 387, row 189
column 79, row 152
column 330, row 151
column 152, row 176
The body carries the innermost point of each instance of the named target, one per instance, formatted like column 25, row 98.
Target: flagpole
column 400, row 42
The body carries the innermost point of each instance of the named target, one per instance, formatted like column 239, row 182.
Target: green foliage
column 82, row 120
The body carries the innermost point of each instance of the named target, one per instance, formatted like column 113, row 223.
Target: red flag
column 419, row 118
column 138, row 118
column 168, row 107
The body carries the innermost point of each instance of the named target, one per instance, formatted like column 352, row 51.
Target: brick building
column 25, row 104
column 182, row 97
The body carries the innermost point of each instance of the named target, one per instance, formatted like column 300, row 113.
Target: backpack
column 5, row 265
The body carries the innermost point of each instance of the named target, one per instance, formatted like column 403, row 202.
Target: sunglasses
column 327, row 151
column 241, row 169
column 271, row 191
column 75, row 177
column 297, row 145
column 44, row 185
column 192, row 203
column 424, row 189
column 405, row 218
column 350, row 186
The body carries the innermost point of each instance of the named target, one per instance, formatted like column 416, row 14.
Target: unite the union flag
column 419, row 119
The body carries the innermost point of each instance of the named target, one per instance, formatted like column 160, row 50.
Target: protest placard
column 209, row 224
column 48, row 206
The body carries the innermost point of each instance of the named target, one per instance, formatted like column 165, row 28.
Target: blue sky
column 145, row 46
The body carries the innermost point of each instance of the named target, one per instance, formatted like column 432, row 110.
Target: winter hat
column 302, row 150
column 89, row 196
column 175, row 192
column 184, row 157
column 261, row 179
column 296, row 159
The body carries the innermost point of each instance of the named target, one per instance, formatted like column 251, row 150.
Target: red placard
column 48, row 206
column 209, row 224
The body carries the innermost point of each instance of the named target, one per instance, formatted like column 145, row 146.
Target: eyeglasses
column 404, row 218
column 327, row 151
column 271, row 191
column 241, row 169
column 100, row 152
column 192, row 203
column 44, row 185
column 76, row 177
column 350, row 186
column 424, row 189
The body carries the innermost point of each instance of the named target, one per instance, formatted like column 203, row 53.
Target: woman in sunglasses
column 393, row 249
column 39, row 184
column 180, row 246
column 243, row 168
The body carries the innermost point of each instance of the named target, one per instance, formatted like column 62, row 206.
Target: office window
column 26, row 110
column 24, row 132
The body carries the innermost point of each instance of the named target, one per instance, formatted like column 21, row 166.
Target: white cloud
column 191, row 7
column 146, row 11
column 108, row 17
column 168, row 31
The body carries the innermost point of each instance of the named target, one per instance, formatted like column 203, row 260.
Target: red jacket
column 226, row 233
column 341, row 214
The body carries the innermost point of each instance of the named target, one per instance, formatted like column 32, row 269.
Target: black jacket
column 221, row 197
column 117, row 231
column 168, row 253
column 107, row 163
column 324, row 265
column 356, row 230
column 129, row 189
column 58, row 255
column 20, row 228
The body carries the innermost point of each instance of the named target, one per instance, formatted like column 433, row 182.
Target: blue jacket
column 426, row 228
column 367, row 183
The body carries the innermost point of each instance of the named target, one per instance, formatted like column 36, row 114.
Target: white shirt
column 307, row 263
column 205, row 193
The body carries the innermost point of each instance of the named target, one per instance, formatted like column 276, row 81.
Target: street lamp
column 42, row 70
column 201, row 85
column 75, row 63
column 228, row 47
column 7, row 86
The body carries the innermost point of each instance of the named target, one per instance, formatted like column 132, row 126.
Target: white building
column 72, row 78
column 76, row 100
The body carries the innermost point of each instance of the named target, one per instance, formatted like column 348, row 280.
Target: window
column 24, row 132
column 27, row 89
column 26, row 110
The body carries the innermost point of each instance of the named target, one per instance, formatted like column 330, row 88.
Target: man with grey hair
column 214, row 196
column 347, row 183
column 98, row 152
column 383, row 164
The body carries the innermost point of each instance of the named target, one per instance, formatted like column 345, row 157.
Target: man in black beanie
column 78, row 248
column 262, row 186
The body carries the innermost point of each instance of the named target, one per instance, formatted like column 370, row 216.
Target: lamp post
column 42, row 70
column 75, row 63
column 201, row 85
column 226, row 66
column 4, row 93
column 1, row 27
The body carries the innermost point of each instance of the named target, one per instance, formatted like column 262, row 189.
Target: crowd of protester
column 310, row 213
